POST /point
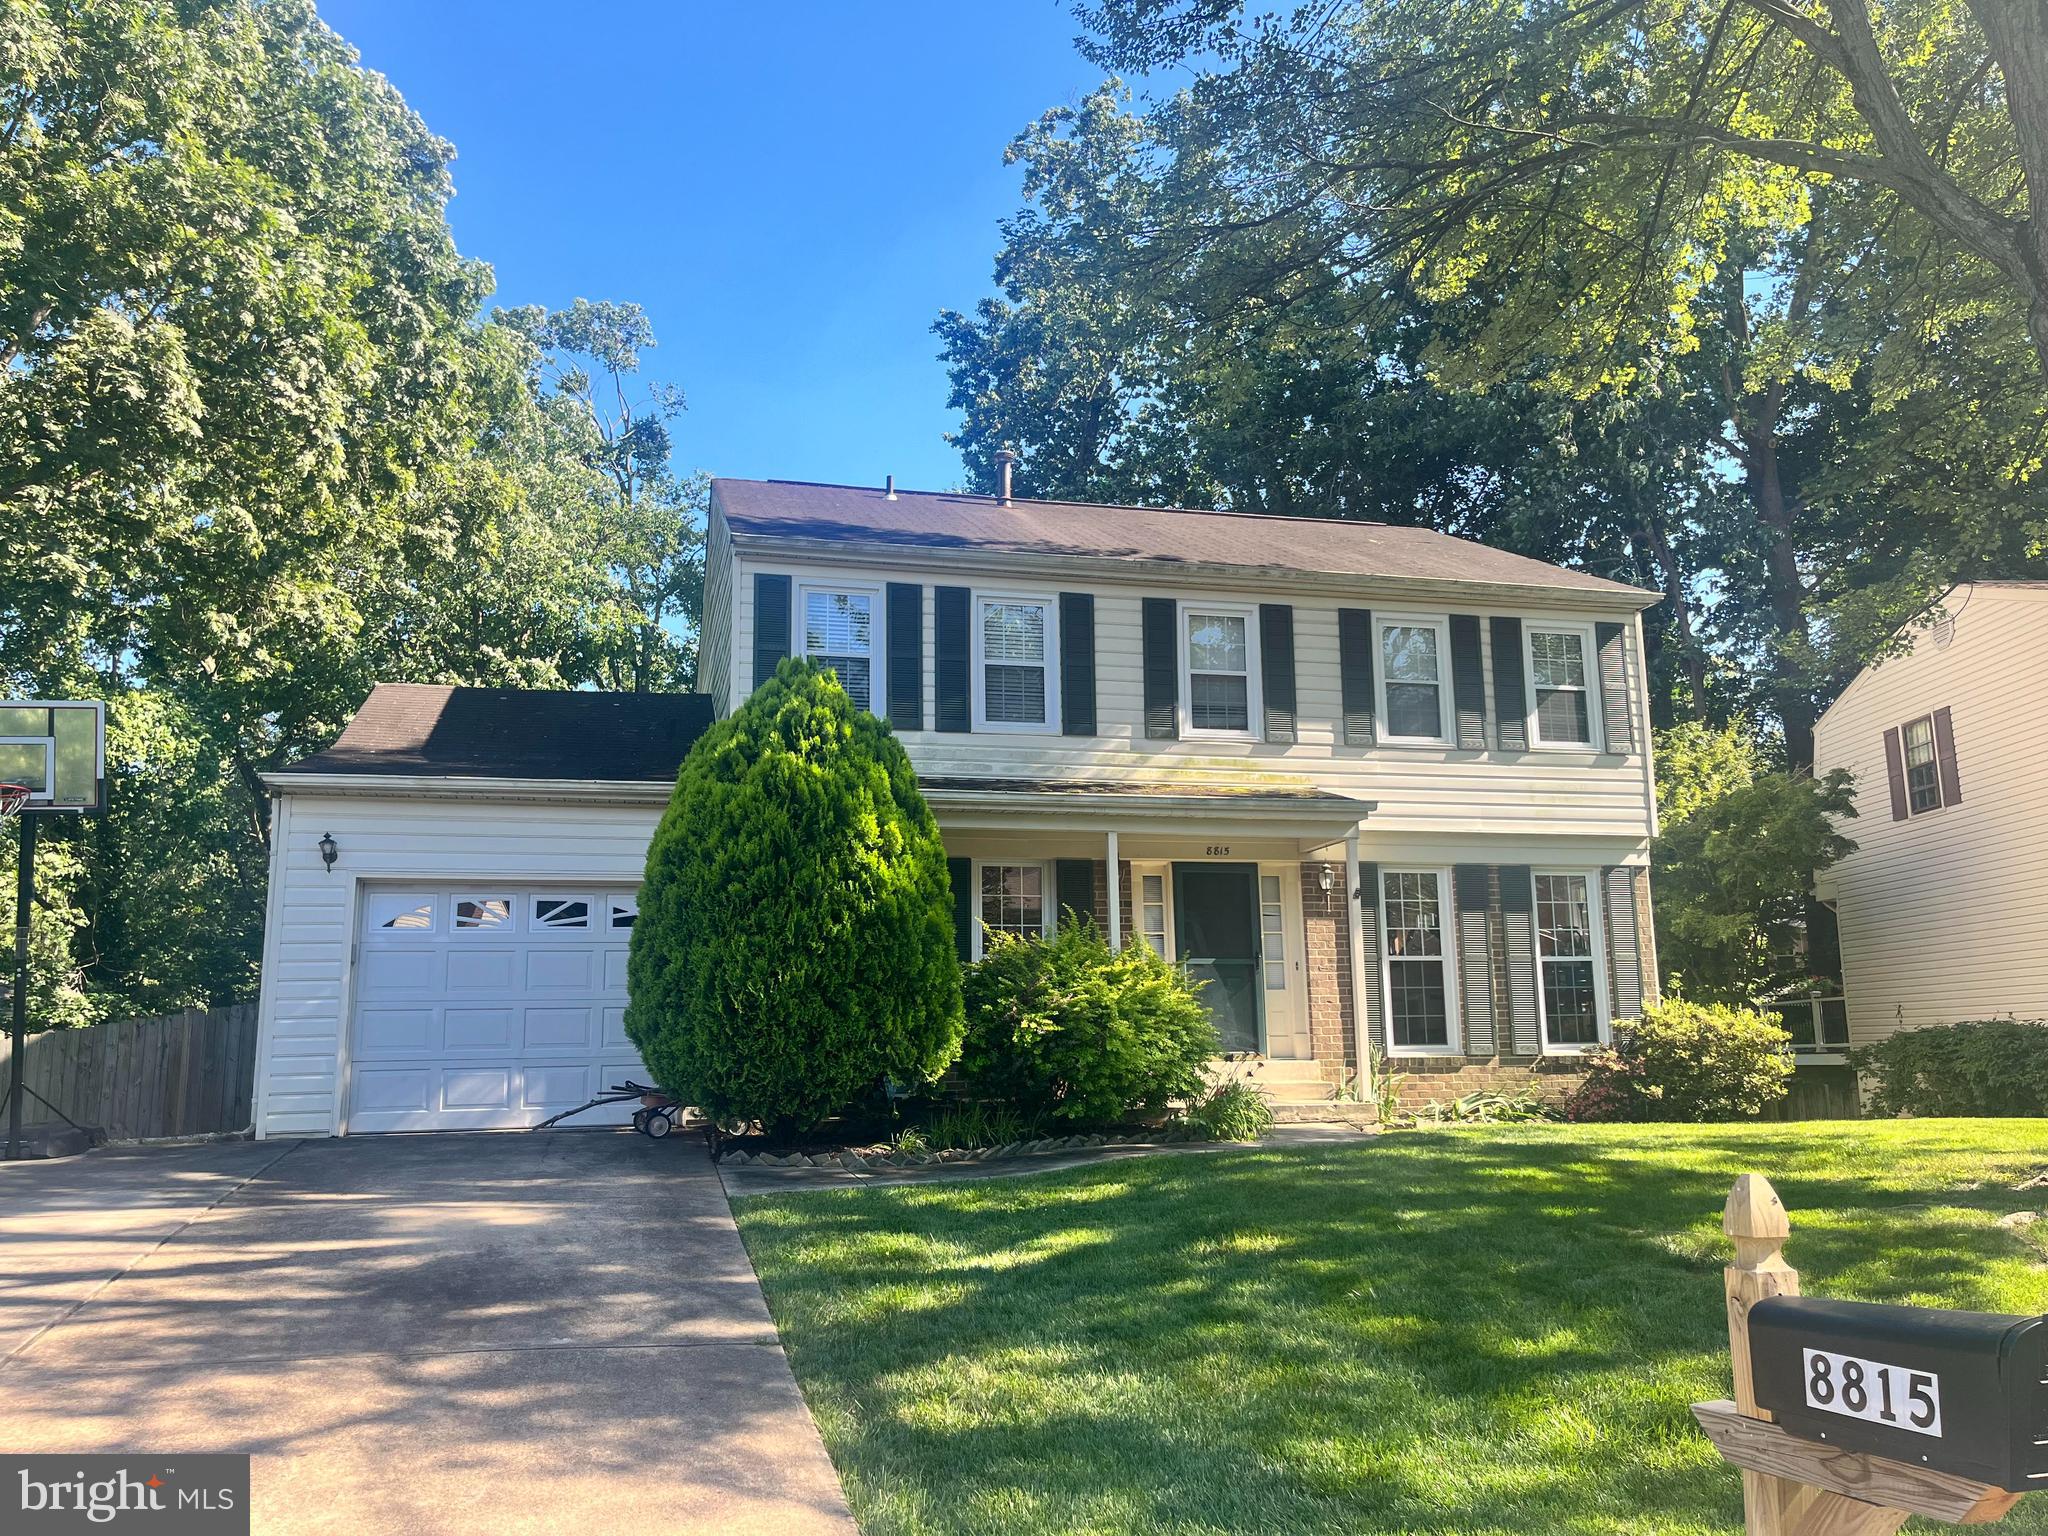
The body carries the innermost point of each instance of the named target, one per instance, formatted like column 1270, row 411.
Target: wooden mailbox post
column 1793, row 1486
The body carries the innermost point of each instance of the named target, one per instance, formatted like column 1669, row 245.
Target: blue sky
column 792, row 190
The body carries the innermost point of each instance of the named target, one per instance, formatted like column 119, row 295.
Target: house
column 1941, row 906
column 1384, row 789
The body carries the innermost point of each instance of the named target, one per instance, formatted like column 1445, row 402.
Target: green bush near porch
column 1979, row 1067
column 795, row 939
column 1684, row 1060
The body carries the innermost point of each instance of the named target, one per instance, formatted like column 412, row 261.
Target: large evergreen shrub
column 795, row 939
column 1083, row 1033
column 1687, row 1061
column 1978, row 1067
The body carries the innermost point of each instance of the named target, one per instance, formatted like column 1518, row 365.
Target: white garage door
column 480, row 1006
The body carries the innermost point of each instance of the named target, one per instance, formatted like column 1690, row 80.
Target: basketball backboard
column 58, row 749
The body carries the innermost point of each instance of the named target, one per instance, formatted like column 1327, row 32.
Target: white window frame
column 1139, row 873
column 1591, row 650
column 1051, row 604
column 1934, row 762
column 1454, row 1026
column 1254, row 702
column 1441, row 624
column 1602, row 1014
column 878, row 705
column 1048, row 897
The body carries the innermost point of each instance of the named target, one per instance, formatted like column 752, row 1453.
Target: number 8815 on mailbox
column 1966, row 1392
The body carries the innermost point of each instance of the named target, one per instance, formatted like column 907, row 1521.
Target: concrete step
column 1297, row 1093
column 1358, row 1116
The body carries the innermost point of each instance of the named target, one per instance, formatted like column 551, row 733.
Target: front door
column 1216, row 918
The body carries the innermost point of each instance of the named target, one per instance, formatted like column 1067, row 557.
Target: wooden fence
column 186, row 1074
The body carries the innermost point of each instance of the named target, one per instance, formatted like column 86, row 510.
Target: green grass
column 1473, row 1331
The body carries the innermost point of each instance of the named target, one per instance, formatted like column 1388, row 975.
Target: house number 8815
column 1219, row 850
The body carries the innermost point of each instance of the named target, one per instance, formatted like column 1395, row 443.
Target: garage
column 453, row 888
column 478, row 1007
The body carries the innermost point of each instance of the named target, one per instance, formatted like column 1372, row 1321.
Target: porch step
column 1278, row 1081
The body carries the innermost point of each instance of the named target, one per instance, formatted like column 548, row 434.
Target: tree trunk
column 1671, row 578
column 1786, row 592
column 2018, row 33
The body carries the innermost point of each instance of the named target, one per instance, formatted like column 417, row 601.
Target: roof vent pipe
column 889, row 488
column 1006, row 458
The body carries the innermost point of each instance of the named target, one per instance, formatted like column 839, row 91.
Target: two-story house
column 1386, row 791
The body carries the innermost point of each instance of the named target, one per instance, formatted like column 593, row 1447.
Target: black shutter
column 1895, row 772
column 953, row 708
column 961, row 873
column 771, row 624
column 1073, row 883
column 906, row 655
column 1354, row 669
column 1077, row 663
column 1518, row 920
column 1162, row 669
column 1468, row 682
column 1367, row 989
column 1510, row 698
column 1276, row 669
column 1945, row 756
column 1472, row 889
column 1617, row 719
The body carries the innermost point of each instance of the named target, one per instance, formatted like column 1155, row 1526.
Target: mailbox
column 1964, row 1392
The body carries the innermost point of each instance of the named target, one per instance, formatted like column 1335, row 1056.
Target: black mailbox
column 1965, row 1392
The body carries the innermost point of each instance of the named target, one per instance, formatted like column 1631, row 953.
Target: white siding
column 1943, row 914
column 307, row 959
column 1429, row 789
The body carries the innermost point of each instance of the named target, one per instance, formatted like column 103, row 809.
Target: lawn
column 1476, row 1331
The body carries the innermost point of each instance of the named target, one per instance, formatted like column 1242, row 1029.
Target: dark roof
column 1305, row 795
column 513, row 733
column 1308, row 545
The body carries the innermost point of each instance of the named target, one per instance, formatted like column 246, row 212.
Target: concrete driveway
column 520, row 1332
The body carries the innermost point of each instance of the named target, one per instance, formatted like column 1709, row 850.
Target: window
column 1411, row 678
column 1272, row 934
column 484, row 912
column 561, row 912
column 1152, row 919
column 402, row 913
column 839, row 634
column 1013, row 899
column 1565, row 955
column 1418, row 986
column 1218, row 653
column 625, row 910
column 1923, row 773
column 1017, row 687
column 1559, row 693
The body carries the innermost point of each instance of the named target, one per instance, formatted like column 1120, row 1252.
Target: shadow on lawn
column 1475, row 1332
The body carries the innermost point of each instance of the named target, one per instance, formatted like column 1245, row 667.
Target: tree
column 795, row 940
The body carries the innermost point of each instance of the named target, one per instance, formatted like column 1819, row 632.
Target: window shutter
column 771, row 624
column 1162, row 669
column 961, row 873
column 1510, row 698
column 1276, row 668
column 1471, row 886
column 952, row 656
column 1624, row 953
column 1354, row 669
column 1077, row 663
column 1518, row 924
column 1368, row 991
column 1073, row 883
column 1945, row 756
column 906, row 655
column 1895, row 772
column 1468, row 682
column 1617, row 720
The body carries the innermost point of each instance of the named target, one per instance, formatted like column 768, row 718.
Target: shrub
column 1488, row 1108
column 1233, row 1110
column 1687, row 1061
column 1082, row 1032
column 1979, row 1067
column 795, row 939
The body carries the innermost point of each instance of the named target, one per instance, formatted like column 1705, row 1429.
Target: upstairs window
column 1564, row 953
column 1015, row 688
column 1219, row 668
column 839, row 635
column 1923, row 771
column 1559, row 687
column 1412, row 681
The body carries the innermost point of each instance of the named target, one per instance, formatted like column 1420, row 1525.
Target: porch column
column 1355, row 913
column 1116, row 898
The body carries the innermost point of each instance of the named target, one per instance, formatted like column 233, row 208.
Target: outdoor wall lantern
column 330, row 850
column 1326, row 879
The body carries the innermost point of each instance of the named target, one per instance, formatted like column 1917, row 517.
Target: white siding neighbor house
column 1387, row 791
column 1944, row 904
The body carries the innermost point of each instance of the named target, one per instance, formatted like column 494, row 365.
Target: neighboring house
column 1384, row 789
column 1942, row 904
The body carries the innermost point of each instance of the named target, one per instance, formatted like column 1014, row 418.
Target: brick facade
column 1327, row 953
column 1429, row 1079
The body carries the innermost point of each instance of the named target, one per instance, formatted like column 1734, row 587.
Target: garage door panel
column 472, row 970
column 557, row 1088
column 561, row 970
column 556, row 1029
column 615, row 1038
column 382, row 1031
column 479, row 1029
column 385, row 1089
column 471, row 1088
column 400, row 972
column 615, row 970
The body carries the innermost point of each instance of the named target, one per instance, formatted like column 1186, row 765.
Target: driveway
column 516, row 1332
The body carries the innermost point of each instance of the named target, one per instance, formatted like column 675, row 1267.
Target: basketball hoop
column 12, row 798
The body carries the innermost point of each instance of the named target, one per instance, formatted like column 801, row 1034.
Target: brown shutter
column 1945, row 756
column 1895, row 772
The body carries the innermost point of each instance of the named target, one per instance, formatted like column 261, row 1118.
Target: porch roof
column 1283, row 810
